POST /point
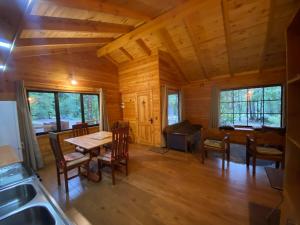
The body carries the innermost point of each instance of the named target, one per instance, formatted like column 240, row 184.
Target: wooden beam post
column 177, row 14
column 126, row 53
column 226, row 24
column 143, row 46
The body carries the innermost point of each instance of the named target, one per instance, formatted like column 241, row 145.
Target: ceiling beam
column 58, row 41
column 126, row 53
column 228, row 41
column 191, row 33
column 143, row 46
column 103, row 7
column 173, row 51
column 73, row 25
column 173, row 15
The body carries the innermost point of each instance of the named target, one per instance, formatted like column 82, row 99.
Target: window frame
column 247, row 101
column 171, row 92
column 57, row 110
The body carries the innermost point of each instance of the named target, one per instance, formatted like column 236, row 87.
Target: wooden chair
column 267, row 146
column 67, row 162
column 215, row 140
column 117, row 124
column 118, row 153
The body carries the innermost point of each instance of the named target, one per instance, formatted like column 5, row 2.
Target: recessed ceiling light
column 2, row 67
column 5, row 44
column 73, row 82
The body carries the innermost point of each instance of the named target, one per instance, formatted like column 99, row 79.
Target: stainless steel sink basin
column 37, row 215
column 14, row 198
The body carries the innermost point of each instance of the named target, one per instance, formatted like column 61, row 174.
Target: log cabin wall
column 52, row 72
column 197, row 95
column 141, row 76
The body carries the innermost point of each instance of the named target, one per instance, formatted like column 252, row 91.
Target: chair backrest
column 212, row 133
column 120, row 124
column 56, row 149
column 268, row 138
column 80, row 129
column 120, row 143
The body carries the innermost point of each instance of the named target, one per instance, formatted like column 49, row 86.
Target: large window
column 58, row 111
column 173, row 107
column 251, row 107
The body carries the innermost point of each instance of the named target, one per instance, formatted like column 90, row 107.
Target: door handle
column 151, row 121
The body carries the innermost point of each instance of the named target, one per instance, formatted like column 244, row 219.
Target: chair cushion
column 213, row 143
column 105, row 156
column 78, row 161
column 73, row 156
column 268, row 151
column 79, row 149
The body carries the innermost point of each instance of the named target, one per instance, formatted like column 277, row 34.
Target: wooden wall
column 52, row 72
column 197, row 95
column 138, row 76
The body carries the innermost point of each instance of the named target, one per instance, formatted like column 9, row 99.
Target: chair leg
column 223, row 160
column 247, row 159
column 254, row 165
column 58, row 176
column 79, row 172
column 228, row 154
column 126, row 167
column 277, row 164
column 203, row 156
column 66, row 180
column 113, row 173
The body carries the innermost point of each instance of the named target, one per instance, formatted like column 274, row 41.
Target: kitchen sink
column 14, row 198
column 37, row 215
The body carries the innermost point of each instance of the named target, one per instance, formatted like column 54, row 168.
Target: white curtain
column 31, row 151
column 103, row 123
column 164, row 108
column 214, row 108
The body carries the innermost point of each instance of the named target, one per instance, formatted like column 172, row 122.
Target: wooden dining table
column 90, row 142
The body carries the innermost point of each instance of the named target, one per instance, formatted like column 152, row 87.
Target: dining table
column 90, row 142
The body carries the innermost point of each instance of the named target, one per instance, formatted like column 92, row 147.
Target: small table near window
column 92, row 141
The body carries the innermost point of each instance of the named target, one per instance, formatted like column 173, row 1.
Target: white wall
column 9, row 126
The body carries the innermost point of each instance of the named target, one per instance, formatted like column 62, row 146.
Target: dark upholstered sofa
column 182, row 136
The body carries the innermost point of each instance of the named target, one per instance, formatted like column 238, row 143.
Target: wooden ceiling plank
column 102, row 6
column 109, row 58
column 64, row 24
column 57, row 41
column 176, row 14
column 173, row 51
column 143, row 46
column 126, row 53
column 191, row 34
column 227, row 34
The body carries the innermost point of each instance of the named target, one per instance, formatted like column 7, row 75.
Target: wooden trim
column 103, row 7
column 227, row 34
column 176, row 14
column 126, row 53
column 73, row 25
column 143, row 46
column 58, row 41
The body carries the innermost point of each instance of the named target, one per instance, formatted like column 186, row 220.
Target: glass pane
column 70, row 110
column 272, row 120
column 272, row 106
column 240, row 119
column 173, row 114
column 91, row 109
column 226, row 108
column 42, row 108
column 240, row 107
column 255, row 120
column 226, row 119
column 240, row 95
column 255, row 107
column 255, row 94
column 272, row 93
column 226, row 96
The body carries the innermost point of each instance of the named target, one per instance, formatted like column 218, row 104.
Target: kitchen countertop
column 8, row 155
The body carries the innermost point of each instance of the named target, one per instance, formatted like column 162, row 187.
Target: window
column 173, row 107
column 251, row 107
column 58, row 111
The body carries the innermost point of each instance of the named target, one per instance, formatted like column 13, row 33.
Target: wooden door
column 145, row 122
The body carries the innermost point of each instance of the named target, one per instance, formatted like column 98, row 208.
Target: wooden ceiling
column 205, row 38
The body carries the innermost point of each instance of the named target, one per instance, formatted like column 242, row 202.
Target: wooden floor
column 171, row 188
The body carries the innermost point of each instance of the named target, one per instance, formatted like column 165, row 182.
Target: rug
column 158, row 150
column 238, row 155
